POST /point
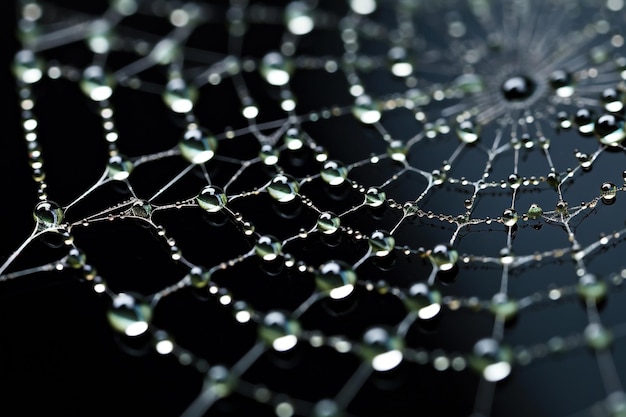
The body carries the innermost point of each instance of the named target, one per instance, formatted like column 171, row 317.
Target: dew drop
column 269, row 155
column 467, row 131
column 119, row 167
column 491, row 360
column 518, row 88
column 375, row 197
column 293, row 139
column 129, row 314
column 399, row 62
column 328, row 223
column 268, row 248
column 199, row 277
column 608, row 192
column 212, row 199
column 509, row 217
column 612, row 100
column 278, row 330
column 514, row 181
column 179, row 96
column 96, row 83
column 584, row 120
column 562, row 83
column 597, row 336
column 381, row 243
column 327, row 408
column 276, row 68
column 283, row 188
column 197, row 145
column 609, row 130
column 336, row 278
column 397, row 151
column 299, row 18
column 334, row 172
column 382, row 349
column 423, row 300
column 220, row 381
column 590, row 288
column 504, row 307
column 444, row 257
column 27, row 67
column 48, row 214
column 438, row 177
column 76, row 258
column 366, row 110
column 534, row 211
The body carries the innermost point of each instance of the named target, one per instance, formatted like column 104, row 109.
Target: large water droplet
column 590, row 288
column 608, row 192
column 375, row 197
column 328, row 223
column 212, row 199
column 299, row 18
column 96, row 83
column 382, row 348
column 491, row 360
column 280, row 331
column 381, row 243
column 334, row 172
column 366, row 110
column 179, row 96
column 27, row 67
column 119, row 167
column 335, row 278
column 562, row 83
column 129, row 314
column 197, row 145
column 268, row 247
column 609, row 130
column 283, row 188
column 424, row 300
column 48, row 214
column 518, row 88
column 504, row 307
column 467, row 131
column 509, row 217
column 276, row 68
column 444, row 257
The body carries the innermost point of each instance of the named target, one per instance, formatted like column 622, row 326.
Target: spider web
column 314, row 209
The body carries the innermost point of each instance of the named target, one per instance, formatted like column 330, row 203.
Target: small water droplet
column 129, row 314
column 534, row 211
column 280, row 331
column 381, row 243
column 27, row 67
column 381, row 348
column 518, row 88
column 48, row 214
column 334, row 172
column 212, row 199
column 509, row 217
column 199, row 277
column 608, row 192
column 491, row 360
column 424, row 300
column 609, row 129
column 268, row 247
column 276, row 68
column 328, row 223
column 444, row 257
column 179, row 96
column 467, row 131
column 283, row 188
column 562, row 83
column 119, row 167
column 336, row 278
column 96, row 83
column 366, row 110
column 375, row 197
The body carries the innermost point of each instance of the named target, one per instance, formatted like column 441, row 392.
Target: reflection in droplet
column 509, row 217
column 608, row 192
column 334, row 172
column 48, row 214
column 283, row 188
column 279, row 331
column 328, row 223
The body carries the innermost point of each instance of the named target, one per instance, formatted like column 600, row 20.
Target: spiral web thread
column 372, row 206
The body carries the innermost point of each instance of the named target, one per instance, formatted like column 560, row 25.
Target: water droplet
column 197, row 145
column 608, row 192
column 280, row 331
column 597, row 336
column 293, row 139
column 119, row 167
column 269, row 155
column 375, row 197
column 514, row 181
column 509, row 217
column 382, row 349
column 299, row 18
column 467, row 131
column 534, row 211
column 276, row 68
column 584, row 160
column 444, row 257
column 397, row 151
column 199, row 277
column 590, row 288
column 424, row 300
column 327, row 408
column 366, row 110
column 363, row 7
column 439, row 177
column 381, row 243
column 562, row 207
column 334, row 172
column 220, row 381
column 584, row 120
column 48, row 215
column 283, row 188
column 96, row 83
column 609, row 129
column 328, row 223
column 76, row 258
column 504, row 307
column 212, row 199
column 562, row 83
column 506, row 256
column 179, row 96
column 27, row 67
column 491, row 360
column 100, row 36
column 612, row 100
column 399, row 62
column 336, row 278
column 268, row 248
column 129, row 314
column 518, row 88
